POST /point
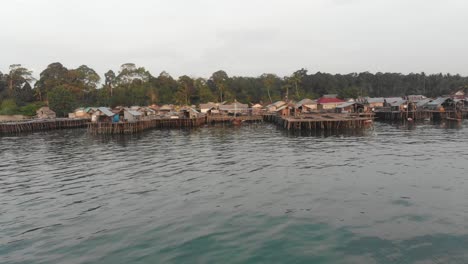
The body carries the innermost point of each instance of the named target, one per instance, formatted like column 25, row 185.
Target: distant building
column 257, row 109
column 204, row 108
column 460, row 94
column 166, row 109
column 274, row 106
column 306, row 105
column 350, row 107
column 440, row 104
column 82, row 112
column 398, row 105
column 131, row 115
column 415, row 98
column 328, row 102
column 103, row 114
column 189, row 112
column 234, row 108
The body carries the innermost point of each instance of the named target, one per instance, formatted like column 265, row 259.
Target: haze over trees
column 64, row 89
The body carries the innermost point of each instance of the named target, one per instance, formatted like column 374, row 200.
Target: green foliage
column 62, row 101
column 136, row 86
column 17, row 77
column 204, row 92
column 8, row 107
column 30, row 109
column 23, row 95
column 54, row 75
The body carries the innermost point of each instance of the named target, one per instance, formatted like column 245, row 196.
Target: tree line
column 64, row 89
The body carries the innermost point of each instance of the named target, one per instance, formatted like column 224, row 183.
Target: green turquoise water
column 254, row 194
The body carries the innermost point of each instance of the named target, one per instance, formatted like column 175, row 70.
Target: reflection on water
column 250, row 194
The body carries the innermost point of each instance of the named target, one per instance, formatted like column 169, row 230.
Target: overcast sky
column 242, row 37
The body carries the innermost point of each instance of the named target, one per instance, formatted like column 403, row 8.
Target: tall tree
column 204, row 92
column 295, row 80
column 62, row 100
column 17, row 77
column 220, row 80
column 54, row 75
column 109, row 80
column 185, row 90
column 129, row 73
column 23, row 95
column 3, row 86
column 270, row 82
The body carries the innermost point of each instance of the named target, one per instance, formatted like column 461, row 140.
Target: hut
column 398, row 105
column 82, row 112
column 422, row 103
column 375, row 102
column 328, row 102
column 131, row 115
column 257, row 109
column 189, row 112
column 274, row 106
column 45, row 113
column 350, row 107
column 145, row 111
column 235, row 108
column 103, row 114
column 415, row 98
column 306, row 106
column 155, row 107
column 286, row 110
column 166, row 109
column 440, row 104
column 205, row 108
column 460, row 94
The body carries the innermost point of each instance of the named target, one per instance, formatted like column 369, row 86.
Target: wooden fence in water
column 329, row 121
column 420, row 115
column 40, row 125
column 224, row 118
column 141, row 125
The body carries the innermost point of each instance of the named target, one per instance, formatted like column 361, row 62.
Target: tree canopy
column 134, row 85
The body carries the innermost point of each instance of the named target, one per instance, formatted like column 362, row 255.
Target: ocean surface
column 251, row 194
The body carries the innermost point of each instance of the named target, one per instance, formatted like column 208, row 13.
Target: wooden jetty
column 326, row 121
column 41, row 125
column 225, row 118
column 141, row 125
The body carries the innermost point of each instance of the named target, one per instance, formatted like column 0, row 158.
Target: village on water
column 325, row 113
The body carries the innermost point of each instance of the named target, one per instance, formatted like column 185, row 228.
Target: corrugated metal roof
column 133, row 112
column 423, row 102
column 166, row 107
column 393, row 99
column 329, row 100
column 207, row 106
column 397, row 103
column 305, row 101
column 234, row 106
column 281, row 108
column 343, row 105
column 106, row 111
column 277, row 104
column 437, row 101
column 371, row 100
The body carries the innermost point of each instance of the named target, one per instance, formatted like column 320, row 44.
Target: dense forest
column 64, row 89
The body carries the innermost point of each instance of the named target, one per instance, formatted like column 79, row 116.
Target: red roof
column 324, row 100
